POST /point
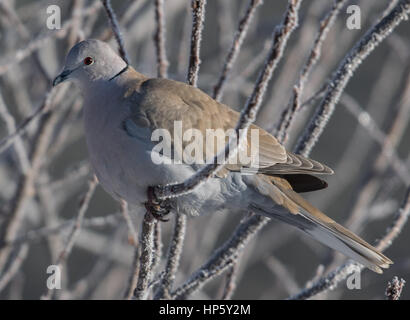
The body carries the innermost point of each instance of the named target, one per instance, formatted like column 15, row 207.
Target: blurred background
column 364, row 194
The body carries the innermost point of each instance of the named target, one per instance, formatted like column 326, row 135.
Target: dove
column 123, row 113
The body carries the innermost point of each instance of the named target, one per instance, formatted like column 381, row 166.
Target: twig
column 147, row 245
column 371, row 126
column 240, row 35
column 159, row 39
column 85, row 201
column 11, row 127
column 14, row 266
column 248, row 115
column 42, row 39
column 396, row 123
column 294, row 105
column 156, row 259
column 198, row 17
column 226, row 255
column 133, row 276
column 345, row 71
column 36, row 234
column 22, row 127
column 231, row 278
column 25, row 184
column 132, row 232
column 331, row 280
column 283, row 275
column 223, row 257
column 116, row 30
column 394, row 289
column 174, row 254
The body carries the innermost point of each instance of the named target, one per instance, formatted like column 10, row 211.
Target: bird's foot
column 157, row 208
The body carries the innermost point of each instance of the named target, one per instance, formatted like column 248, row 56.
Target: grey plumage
column 122, row 109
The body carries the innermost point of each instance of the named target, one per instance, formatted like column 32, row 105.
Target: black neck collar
column 121, row 72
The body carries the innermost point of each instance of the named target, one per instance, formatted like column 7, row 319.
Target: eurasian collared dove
column 122, row 110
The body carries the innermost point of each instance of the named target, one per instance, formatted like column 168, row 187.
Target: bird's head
column 90, row 61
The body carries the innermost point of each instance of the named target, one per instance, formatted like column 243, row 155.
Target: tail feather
column 327, row 231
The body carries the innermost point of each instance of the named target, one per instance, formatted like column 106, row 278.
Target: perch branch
column 146, row 257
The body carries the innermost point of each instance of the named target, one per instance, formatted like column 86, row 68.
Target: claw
column 157, row 208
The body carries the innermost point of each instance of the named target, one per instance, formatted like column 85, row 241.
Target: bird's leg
column 157, row 208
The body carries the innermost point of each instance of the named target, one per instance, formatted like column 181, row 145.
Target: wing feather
column 157, row 103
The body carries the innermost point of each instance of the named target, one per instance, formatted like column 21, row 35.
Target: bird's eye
column 88, row 61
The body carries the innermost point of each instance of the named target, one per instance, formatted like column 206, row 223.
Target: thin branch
column 159, row 40
column 116, row 30
column 345, row 71
column 14, row 266
column 198, row 17
column 248, row 115
column 22, row 127
column 156, row 259
column 39, row 233
column 22, row 155
column 394, row 289
column 332, row 280
column 239, row 37
column 282, row 274
column 174, row 254
column 370, row 125
column 227, row 254
column 396, row 122
column 133, row 276
column 147, row 245
column 131, row 229
column 231, row 278
column 223, row 258
column 26, row 181
column 75, row 231
column 42, row 39
column 294, row 105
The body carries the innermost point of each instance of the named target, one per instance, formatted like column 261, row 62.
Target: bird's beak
column 61, row 77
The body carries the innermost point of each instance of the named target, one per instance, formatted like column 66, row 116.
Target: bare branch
column 116, row 30
column 131, row 229
column 345, row 71
column 159, row 39
column 223, row 258
column 388, row 149
column 240, row 35
column 294, row 105
column 42, row 39
column 26, row 181
column 174, row 255
column 198, row 17
column 22, row 127
column 147, row 245
column 248, row 115
column 11, row 127
column 230, row 284
column 14, row 266
column 32, row 235
column 332, row 280
column 84, row 203
column 394, row 289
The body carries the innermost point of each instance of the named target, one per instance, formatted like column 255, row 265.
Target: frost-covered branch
column 345, row 71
